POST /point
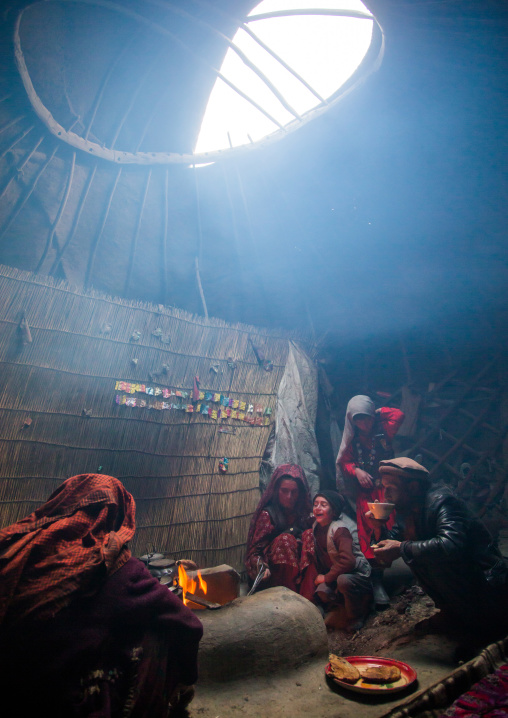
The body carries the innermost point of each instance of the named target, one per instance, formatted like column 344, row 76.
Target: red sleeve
column 347, row 463
column 308, row 554
column 345, row 562
column 260, row 542
column 391, row 420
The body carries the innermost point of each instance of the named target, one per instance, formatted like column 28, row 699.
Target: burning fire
column 191, row 585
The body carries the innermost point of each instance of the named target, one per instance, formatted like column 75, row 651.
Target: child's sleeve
column 345, row 561
column 391, row 420
column 347, row 463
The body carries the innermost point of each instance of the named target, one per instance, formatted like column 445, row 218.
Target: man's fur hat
column 405, row 468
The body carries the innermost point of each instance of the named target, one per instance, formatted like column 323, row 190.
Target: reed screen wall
column 58, row 415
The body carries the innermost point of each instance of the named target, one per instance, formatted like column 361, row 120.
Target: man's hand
column 319, row 579
column 387, row 551
column 364, row 478
column 376, row 524
column 266, row 574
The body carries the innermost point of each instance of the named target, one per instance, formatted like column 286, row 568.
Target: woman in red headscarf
column 84, row 628
column 274, row 541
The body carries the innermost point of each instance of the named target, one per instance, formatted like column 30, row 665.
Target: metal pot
column 151, row 557
column 167, row 579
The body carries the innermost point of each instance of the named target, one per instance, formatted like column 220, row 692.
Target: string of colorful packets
column 254, row 414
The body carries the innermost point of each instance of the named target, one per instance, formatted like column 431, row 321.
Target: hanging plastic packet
column 223, row 465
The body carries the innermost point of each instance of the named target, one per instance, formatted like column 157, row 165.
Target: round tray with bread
column 370, row 674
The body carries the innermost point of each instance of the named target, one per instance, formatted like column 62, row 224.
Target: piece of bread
column 380, row 674
column 343, row 670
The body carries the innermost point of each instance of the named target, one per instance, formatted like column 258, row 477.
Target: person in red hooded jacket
column 367, row 440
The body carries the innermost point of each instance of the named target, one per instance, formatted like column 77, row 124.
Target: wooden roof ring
column 165, row 158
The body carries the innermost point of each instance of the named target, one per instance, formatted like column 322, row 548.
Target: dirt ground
column 305, row 692
column 386, row 629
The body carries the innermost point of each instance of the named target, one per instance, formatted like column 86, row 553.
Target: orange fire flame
column 191, row 585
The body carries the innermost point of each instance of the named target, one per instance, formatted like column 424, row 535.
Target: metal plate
column 408, row 675
column 161, row 563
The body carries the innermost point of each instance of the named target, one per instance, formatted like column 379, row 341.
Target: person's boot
column 381, row 598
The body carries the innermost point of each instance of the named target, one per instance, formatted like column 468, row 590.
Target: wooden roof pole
column 27, row 194
column 61, row 209
column 266, row 81
column 164, row 242
column 152, row 158
column 12, row 122
column 77, row 216
column 133, row 98
column 95, row 242
column 200, row 245
column 82, row 142
column 245, row 27
column 136, row 233
column 20, row 167
column 103, row 85
column 17, row 139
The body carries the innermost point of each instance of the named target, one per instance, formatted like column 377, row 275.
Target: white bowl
column 381, row 510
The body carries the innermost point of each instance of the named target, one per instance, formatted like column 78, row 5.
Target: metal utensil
column 202, row 601
column 261, row 570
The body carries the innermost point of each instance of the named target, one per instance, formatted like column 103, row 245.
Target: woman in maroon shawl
column 84, row 629
column 274, row 540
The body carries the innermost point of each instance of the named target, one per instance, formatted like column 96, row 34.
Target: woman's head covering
column 405, row 468
column 359, row 404
column 335, row 500
column 303, row 507
column 67, row 546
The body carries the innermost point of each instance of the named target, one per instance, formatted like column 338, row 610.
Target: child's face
column 323, row 512
column 364, row 422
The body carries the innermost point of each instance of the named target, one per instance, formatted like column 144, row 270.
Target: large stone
column 256, row 635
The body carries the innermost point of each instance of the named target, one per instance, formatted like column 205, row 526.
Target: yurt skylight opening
column 286, row 60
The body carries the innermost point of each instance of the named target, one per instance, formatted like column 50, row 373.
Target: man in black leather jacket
column 449, row 551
